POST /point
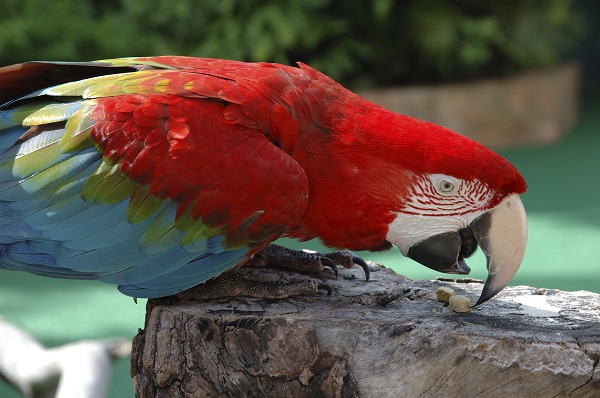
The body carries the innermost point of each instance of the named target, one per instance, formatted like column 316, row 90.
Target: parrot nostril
column 468, row 243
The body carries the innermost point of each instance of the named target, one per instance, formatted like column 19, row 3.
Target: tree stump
column 389, row 337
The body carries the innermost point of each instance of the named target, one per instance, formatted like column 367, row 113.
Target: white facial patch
column 437, row 204
column 409, row 229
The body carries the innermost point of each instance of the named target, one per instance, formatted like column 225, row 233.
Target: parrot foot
column 274, row 256
column 257, row 279
column 256, row 283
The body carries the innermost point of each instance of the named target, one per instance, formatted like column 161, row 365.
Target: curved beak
column 502, row 236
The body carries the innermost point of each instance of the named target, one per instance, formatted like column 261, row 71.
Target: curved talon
column 329, row 263
column 363, row 264
column 322, row 286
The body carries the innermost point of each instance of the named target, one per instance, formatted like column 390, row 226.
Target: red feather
column 187, row 151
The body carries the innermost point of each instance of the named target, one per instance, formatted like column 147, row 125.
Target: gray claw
column 329, row 263
column 359, row 261
column 322, row 286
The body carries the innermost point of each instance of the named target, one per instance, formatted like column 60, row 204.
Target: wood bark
column 389, row 337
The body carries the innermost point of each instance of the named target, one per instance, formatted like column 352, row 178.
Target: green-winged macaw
column 159, row 173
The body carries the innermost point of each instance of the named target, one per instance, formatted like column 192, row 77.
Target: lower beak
column 502, row 236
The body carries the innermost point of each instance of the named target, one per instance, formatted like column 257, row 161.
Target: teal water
column 563, row 207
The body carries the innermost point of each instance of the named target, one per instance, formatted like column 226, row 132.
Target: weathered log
column 389, row 337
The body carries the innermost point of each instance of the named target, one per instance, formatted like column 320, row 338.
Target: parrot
column 157, row 174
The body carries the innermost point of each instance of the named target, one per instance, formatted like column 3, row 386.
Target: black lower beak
column 446, row 252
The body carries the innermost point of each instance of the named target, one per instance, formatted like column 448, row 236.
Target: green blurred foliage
column 362, row 42
column 470, row 38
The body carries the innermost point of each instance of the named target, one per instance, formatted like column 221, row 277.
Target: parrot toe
column 327, row 288
column 326, row 262
column 347, row 259
column 280, row 257
column 363, row 264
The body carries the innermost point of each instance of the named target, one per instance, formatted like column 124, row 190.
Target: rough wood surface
column 389, row 337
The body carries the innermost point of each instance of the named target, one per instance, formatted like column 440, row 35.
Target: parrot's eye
column 446, row 186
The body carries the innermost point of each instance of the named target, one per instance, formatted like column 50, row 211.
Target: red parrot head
column 431, row 192
column 461, row 195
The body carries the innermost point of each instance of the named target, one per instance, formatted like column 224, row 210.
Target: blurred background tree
column 358, row 42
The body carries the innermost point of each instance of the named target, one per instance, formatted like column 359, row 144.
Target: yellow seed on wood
column 460, row 303
column 444, row 294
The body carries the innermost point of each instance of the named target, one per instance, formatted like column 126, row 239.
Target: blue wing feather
column 191, row 274
column 9, row 136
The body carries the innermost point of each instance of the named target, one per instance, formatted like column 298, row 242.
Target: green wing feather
column 161, row 234
column 30, row 157
column 36, row 113
column 143, row 205
column 77, row 130
column 134, row 63
column 55, row 175
column 51, row 113
column 107, row 185
column 196, row 230
column 94, row 87
column 118, row 84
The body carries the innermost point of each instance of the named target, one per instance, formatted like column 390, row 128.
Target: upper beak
column 502, row 236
